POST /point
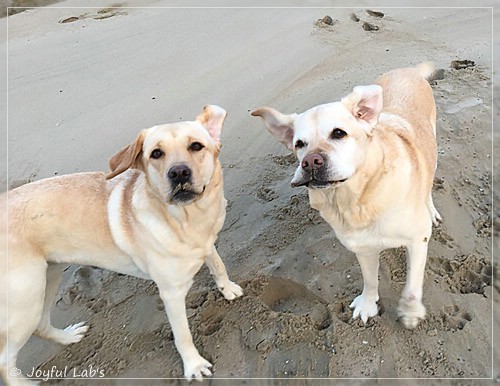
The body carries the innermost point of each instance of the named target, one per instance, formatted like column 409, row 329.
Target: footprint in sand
column 470, row 274
column 454, row 318
column 461, row 64
column 287, row 296
column 211, row 320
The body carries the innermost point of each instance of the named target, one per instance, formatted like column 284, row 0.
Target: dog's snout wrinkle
column 179, row 174
column 313, row 162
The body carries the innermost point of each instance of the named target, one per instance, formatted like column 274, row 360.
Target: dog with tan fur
column 156, row 215
column 368, row 163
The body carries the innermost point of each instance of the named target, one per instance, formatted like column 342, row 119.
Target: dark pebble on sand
column 374, row 13
column 69, row 20
column 327, row 20
column 369, row 27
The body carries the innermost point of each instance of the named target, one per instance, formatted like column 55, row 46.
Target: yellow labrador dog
column 156, row 215
column 368, row 162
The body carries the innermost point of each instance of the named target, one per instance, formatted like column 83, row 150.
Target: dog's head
column 329, row 140
column 179, row 159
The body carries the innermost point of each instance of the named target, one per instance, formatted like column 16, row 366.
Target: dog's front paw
column 196, row 368
column 364, row 307
column 411, row 311
column 231, row 290
column 436, row 217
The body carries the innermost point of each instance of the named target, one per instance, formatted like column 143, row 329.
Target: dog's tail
column 425, row 69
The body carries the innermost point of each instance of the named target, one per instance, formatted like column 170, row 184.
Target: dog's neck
column 352, row 204
column 196, row 224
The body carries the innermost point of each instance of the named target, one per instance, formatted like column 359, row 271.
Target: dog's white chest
column 181, row 236
column 385, row 232
column 369, row 240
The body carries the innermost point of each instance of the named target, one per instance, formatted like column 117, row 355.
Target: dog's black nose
column 312, row 162
column 179, row 174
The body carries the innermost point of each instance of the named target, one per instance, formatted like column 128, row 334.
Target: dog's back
column 408, row 95
column 39, row 217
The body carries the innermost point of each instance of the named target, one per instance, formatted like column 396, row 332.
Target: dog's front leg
column 411, row 309
column 174, row 298
column 365, row 305
column 229, row 289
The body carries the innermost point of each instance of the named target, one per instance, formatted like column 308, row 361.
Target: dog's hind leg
column 25, row 293
column 229, row 289
column 8, row 370
column 71, row 334
column 435, row 216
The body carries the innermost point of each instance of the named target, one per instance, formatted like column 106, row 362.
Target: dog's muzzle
column 314, row 173
column 180, row 178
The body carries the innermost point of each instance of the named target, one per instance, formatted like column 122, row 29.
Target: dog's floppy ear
column 365, row 104
column 212, row 119
column 126, row 157
column 278, row 124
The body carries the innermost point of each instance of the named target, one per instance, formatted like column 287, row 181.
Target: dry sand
column 82, row 89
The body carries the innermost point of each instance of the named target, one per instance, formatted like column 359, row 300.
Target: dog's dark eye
column 299, row 144
column 196, row 146
column 157, row 153
column 338, row 133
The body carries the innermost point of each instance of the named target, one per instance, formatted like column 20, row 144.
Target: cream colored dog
column 368, row 162
column 156, row 215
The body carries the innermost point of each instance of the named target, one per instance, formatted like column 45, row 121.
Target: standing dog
column 368, row 162
column 156, row 215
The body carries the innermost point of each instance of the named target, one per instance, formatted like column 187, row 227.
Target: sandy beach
column 82, row 82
